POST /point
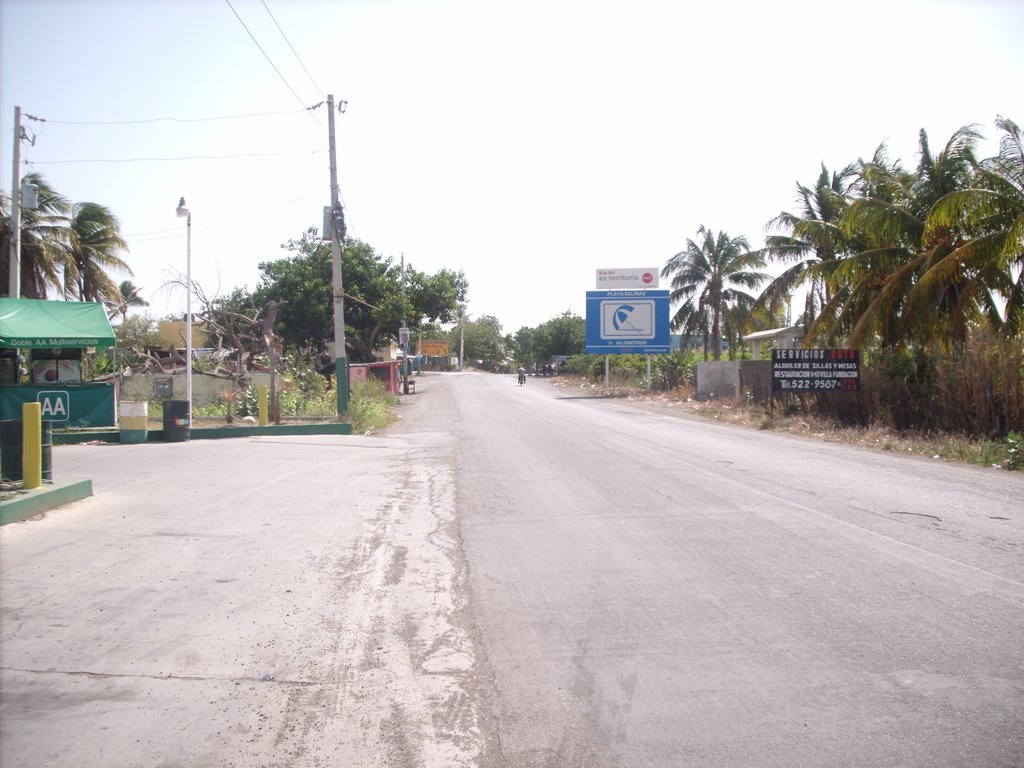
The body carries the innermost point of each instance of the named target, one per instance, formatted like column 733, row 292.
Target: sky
column 527, row 143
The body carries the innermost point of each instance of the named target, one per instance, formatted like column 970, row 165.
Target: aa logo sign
column 56, row 405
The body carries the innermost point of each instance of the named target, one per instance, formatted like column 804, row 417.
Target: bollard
column 32, row 445
column 134, row 422
column 264, row 406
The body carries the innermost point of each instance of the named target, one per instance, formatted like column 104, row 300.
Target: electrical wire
column 174, row 159
column 319, row 90
column 177, row 230
column 166, row 119
column 283, row 80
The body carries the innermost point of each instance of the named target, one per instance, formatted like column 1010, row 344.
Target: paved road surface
column 250, row 602
column 515, row 577
column 663, row 592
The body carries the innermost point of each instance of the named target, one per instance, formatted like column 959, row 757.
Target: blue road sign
column 627, row 322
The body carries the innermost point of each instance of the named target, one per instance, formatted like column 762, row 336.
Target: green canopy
column 37, row 324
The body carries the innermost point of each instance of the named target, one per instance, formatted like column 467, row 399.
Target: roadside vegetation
column 919, row 266
column 302, row 400
column 629, row 384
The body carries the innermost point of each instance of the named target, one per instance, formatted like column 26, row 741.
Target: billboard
column 815, row 370
column 434, row 348
column 641, row 279
column 627, row 322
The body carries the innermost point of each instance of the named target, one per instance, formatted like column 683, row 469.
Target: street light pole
column 185, row 213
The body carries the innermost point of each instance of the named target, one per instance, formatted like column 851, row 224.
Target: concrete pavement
column 294, row 601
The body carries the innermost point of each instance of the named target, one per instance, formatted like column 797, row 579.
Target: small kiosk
column 48, row 339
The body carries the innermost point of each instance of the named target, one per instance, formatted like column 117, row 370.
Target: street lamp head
column 182, row 210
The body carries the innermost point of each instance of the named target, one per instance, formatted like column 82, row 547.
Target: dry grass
column 987, row 453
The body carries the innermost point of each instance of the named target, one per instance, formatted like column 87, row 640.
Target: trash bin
column 11, row 436
column 134, row 421
column 176, row 421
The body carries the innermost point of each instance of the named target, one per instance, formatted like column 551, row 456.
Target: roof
column 774, row 333
column 40, row 324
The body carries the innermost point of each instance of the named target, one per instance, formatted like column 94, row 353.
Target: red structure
column 388, row 373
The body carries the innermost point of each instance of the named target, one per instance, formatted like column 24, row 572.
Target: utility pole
column 403, row 339
column 14, row 284
column 337, row 237
column 462, row 334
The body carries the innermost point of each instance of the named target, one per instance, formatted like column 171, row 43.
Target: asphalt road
column 514, row 577
column 654, row 591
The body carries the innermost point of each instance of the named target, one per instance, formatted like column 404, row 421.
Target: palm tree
column 990, row 217
column 45, row 237
column 94, row 245
column 704, row 280
column 811, row 241
column 884, row 297
column 128, row 297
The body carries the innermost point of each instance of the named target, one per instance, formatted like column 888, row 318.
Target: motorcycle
column 522, row 378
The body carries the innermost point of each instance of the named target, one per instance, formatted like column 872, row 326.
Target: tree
column 520, row 345
column 134, row 335
column 989, row 215
column 810, row 241
column 374, row 303
column 706, row 280
column 128, row 297
column 884, row 297
column 483, row 344
column 562, row 335
column 45, row 237
column 94, row 243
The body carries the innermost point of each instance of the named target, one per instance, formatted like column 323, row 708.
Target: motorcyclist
column 522, row 375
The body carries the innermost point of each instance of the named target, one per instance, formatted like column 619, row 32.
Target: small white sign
column 56, row 404
column 642, row 279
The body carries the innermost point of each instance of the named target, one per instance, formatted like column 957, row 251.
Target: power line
column 319, row 90
column 256, row 43
column 177, row 230
column 165, row 119
column 172, row 159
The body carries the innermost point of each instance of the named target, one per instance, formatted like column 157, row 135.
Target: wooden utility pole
column 337, row 238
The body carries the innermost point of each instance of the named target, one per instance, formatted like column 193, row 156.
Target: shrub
column 369, row 406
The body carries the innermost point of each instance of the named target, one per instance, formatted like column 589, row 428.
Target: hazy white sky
column 527, row 143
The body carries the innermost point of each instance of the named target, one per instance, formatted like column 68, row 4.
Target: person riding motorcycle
column 522, row 375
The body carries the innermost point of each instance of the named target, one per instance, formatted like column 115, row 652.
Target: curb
column 49, row 496
column 207, row 433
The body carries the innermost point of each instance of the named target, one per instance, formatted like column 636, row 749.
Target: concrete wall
column 205, row 389
column 718, row 380
column 732, row 379
column 209, row 389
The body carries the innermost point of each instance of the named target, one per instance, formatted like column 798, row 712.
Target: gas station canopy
column 39, row 324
